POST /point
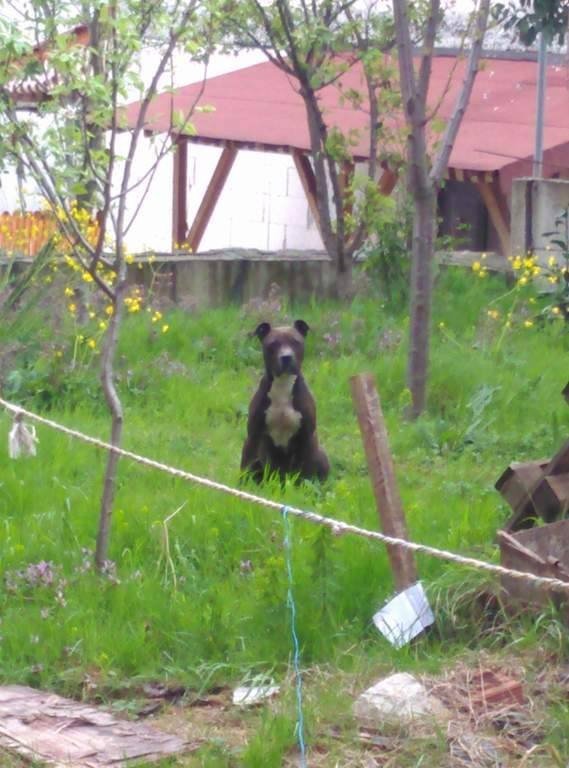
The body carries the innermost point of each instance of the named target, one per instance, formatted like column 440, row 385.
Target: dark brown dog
column 281, row 430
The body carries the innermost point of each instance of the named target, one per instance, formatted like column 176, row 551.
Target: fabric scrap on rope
column 22, row 439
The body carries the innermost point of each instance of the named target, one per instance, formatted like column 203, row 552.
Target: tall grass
column 185, row 606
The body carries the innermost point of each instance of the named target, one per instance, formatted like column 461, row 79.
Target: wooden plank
column 542, row 551
column 497, row 215
column 559, row 464
column 552, row 497
column 212, row 193
column 308, row 181
column 382, row 474
column 46, row 728
column 387, row 181
column 180, row 192
column 517, row 485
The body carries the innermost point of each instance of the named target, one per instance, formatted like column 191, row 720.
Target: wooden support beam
column 382, row 473
column 180, row 192
column 498, row 215
column 387, row 181
column 211, row 196
column 308, row 181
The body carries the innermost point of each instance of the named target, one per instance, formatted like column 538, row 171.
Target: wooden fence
column 24, row 234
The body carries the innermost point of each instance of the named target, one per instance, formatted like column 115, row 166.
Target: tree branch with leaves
column 68, row 147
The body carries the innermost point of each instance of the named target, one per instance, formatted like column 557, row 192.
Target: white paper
column 405, row 616
column 247, row 696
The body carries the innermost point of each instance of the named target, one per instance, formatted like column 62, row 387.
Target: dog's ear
column 301, row 327
column 262, row 330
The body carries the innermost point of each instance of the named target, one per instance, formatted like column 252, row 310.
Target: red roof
column 259, row 107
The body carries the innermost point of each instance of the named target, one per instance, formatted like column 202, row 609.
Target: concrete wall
column 236, row 276
column 536, row 203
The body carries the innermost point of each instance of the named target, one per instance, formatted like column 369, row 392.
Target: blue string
column 296, row 656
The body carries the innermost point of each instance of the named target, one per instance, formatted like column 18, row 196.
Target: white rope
column 337, row 526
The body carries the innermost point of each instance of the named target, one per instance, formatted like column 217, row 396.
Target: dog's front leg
column 249, row 454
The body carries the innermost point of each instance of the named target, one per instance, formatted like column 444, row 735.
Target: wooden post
column 497, row 215
column 212, row 193
column 382, row 473
column 308, row 181
column 180, row 192
column 387, row 181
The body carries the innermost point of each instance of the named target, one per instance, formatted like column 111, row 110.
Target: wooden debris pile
column 536, row 536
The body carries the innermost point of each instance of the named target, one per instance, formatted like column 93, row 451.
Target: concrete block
column 398, row 699
column 293, row 184
column 277, row 240
column 536, row 203
column 247, row 234
column 287, row 210
column 299, row 237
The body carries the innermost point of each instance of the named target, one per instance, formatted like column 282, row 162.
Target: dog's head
column 283, row 348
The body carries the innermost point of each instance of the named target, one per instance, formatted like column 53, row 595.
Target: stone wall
column 215, row 278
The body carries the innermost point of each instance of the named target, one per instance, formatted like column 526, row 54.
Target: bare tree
column 425, row 174
column 69, row 147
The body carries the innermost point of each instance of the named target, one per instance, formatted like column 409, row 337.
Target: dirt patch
column 501, row 729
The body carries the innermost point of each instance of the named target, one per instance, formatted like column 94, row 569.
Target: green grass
column 190, row 613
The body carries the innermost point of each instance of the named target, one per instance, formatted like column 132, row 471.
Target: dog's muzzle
column 287, row 363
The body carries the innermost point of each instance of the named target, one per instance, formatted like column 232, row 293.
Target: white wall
column 262, row 205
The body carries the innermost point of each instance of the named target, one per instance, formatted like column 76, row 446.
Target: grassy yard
column 184, row 609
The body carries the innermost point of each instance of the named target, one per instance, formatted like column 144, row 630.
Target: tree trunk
column 344, row 283
column 421, row 290
column 115, row 407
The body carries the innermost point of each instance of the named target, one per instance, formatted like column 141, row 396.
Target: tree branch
column 441, row 161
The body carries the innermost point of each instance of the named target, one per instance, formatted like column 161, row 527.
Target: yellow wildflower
column 165, row 328
column 528, row 323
